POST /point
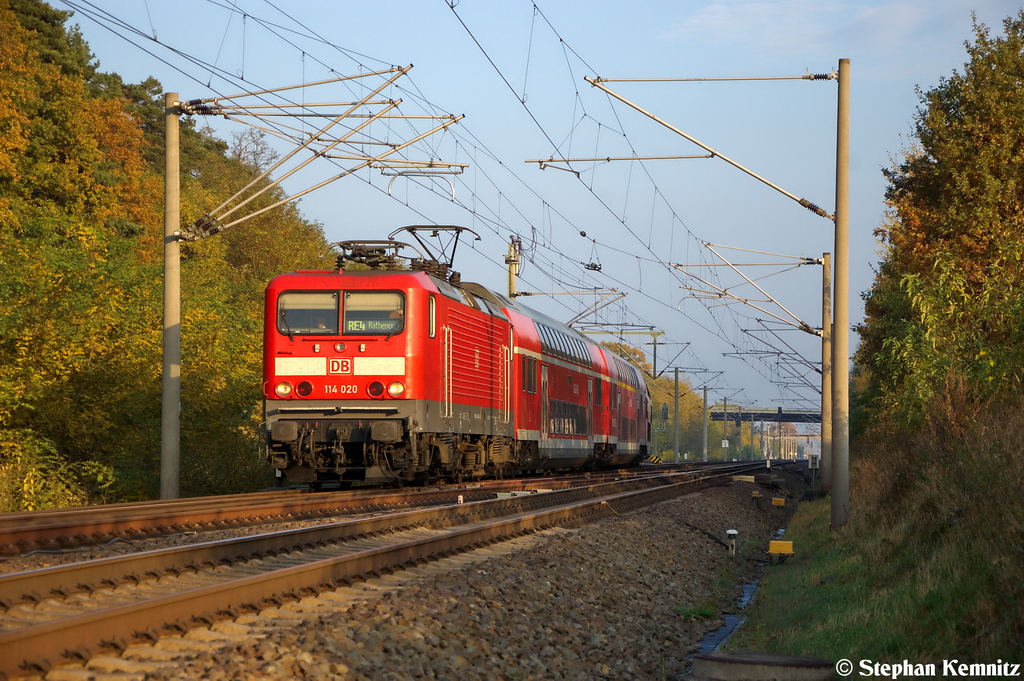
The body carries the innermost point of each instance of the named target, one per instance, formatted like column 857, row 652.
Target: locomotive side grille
column 476, row 358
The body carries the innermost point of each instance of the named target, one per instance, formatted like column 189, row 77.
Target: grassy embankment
column 931, row 564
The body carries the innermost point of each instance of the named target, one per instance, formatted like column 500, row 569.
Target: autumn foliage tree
column 81, row 242
column 947, row 296
column 938, row 471
column 74, row 192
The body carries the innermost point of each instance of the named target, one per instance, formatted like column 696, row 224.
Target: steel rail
column 32, row 649
column 62, row 580
column 70, row 528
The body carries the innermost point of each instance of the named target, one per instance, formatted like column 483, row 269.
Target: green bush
column 33, row 476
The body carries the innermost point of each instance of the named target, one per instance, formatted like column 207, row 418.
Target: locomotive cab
column 339, row 383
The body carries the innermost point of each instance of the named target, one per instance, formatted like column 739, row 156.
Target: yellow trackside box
column 778, row 501
column 780, row 548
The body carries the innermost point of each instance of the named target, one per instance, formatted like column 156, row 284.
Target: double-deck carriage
column 400, row 373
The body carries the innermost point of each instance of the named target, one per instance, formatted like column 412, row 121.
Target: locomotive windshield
column 301, row 313
column 374, row 313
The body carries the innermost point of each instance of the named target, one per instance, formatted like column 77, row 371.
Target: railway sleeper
column 374, row 580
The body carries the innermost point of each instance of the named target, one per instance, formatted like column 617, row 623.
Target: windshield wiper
column 284, row 320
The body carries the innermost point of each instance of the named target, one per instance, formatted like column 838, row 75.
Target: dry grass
column 931, row 564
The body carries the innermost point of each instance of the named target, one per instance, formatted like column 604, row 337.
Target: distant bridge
column 778, row 416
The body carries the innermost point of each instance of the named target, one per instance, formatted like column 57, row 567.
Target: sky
column 658, row 230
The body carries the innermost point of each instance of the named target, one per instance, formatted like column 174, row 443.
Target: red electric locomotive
column 383, row 371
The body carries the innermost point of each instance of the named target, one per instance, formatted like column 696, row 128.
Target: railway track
column 63, row 530
column 69, row 614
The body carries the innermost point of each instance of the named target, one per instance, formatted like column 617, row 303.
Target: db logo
column 339, row 365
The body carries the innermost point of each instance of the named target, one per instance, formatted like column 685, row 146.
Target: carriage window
column 433, row 316
column 301, row 313
column 529, row 377
column 369, row 313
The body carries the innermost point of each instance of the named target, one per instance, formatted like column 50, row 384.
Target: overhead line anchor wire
column 834, row 75
column 549, row 162
column 596, row 82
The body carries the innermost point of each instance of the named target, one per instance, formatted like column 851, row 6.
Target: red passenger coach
column 387, row 371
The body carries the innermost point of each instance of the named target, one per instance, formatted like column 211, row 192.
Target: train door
column 590, row 417
column 544, row 423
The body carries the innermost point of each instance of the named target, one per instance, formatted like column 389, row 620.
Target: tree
column 939, row 468
column 81, row 242
column 250, row 148
column 74, row 200
column 48, row 37
column 947, row 296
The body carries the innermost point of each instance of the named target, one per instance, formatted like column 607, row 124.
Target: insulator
column 195, row 107
column 814, row 208
column 201, row 228
column 203, row 223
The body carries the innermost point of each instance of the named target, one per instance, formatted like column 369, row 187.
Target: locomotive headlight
column 339, row 347
column 283, row 389
column 376, row 389
column 304, row 389
column 396, row 389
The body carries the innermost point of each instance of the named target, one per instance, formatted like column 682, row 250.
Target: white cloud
column 890, row 25
column 800, row 27
column 775, row 26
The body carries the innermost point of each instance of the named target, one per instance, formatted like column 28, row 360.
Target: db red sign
column 339, row 365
